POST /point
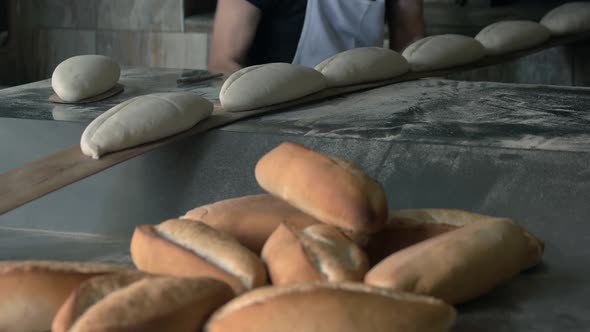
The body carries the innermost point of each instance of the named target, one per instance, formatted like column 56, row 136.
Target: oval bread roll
column 362, row 65
column 442, row 52
column 89, row 293
column 32, row 291
column 84, row 76
column 510, row 36
column 123, row 302
column 268, row 84
column 408, row 227
column 331, row 190
column 460, row 265
column 571, row 17
column 188, row 248
column 314, row 253
column 249, row 219
column 328, row 307
column 143, row 119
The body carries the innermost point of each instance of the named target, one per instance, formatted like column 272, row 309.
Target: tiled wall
column 152, row 33
column 134, row 32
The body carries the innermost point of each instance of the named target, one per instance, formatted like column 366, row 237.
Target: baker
column 250, row 32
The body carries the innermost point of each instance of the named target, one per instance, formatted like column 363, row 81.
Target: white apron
column 333, row 26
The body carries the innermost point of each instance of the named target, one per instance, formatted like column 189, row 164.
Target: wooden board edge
column 118, row 88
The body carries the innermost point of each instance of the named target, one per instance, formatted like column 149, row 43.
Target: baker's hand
column 406, row 23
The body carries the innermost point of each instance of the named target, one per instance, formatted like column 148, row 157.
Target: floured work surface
column 436, row 111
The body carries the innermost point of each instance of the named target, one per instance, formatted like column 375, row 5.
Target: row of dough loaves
column 85, row 76
column 265, row 85
column 304, row 257
column 152, row 117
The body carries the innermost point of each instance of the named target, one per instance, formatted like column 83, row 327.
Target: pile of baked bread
column 319, row 252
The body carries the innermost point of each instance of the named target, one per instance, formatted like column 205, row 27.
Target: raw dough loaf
column 361, row 65
column 568, row 18
column 443, row 51
column 268, row 84
column 84, row 76
column 143, row 119
column 509, row 36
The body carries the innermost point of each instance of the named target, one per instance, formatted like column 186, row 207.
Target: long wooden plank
column 57, row 170
column 40, row 177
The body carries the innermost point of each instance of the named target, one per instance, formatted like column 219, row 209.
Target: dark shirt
column 278, row 32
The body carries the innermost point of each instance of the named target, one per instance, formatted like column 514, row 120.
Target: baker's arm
column 405, row 22
column 234, row 29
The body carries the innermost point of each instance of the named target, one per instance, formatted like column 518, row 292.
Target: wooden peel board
column 118, row 88
column 59, row 169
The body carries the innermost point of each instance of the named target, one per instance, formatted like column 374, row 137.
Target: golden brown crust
column 249, row 219
column 407, row 227
column 333, row 254
column 327, row 307
column 451, row 217
column 33, row 291
column 315, row 253
column 154, row 254
column 89, row 293
column 286, row 260
column 333, row 191
column 211, row 254
column 154, row 303
column 460, row 265
column 398, row 237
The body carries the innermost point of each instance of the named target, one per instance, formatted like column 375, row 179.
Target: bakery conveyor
column 517, row 151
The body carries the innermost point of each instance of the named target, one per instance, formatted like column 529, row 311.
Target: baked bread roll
column 188, row 248
column 408, row 227
column 137, row 302
column 31, row 292
column 333, row 191
column 460, row 265
column 315, row 253
column 249, row 219
column 328, row 307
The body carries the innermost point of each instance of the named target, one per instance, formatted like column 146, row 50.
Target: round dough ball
column 443, row 51
column 268, row 84
column 568, row 18
column 143, row 119
column 362, row 65
column 509, row 36
column 84, row 76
